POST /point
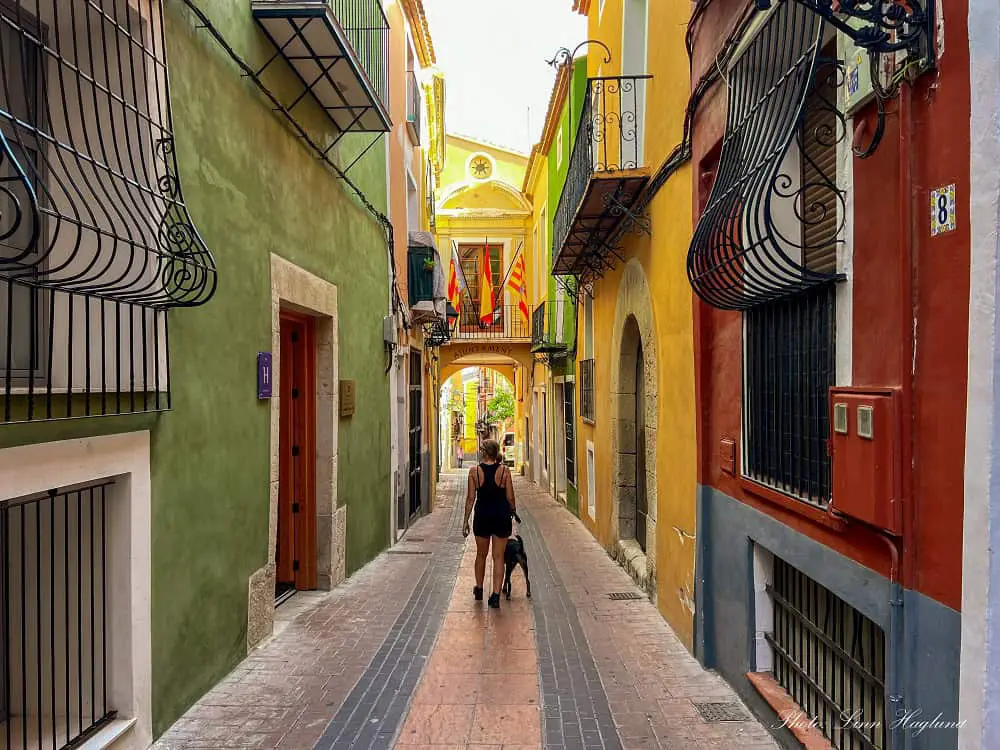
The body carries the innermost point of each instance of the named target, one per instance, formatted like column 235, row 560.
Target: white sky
column 493, row 53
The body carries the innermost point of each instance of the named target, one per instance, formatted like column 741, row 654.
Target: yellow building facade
column 482, row 210
column 637, row 439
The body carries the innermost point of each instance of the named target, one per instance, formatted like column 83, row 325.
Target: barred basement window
column 56, row 689
column 95, row 240
column 830, row 658
column 569, row 414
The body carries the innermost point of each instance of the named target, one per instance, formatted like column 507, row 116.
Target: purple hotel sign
column 264, row 375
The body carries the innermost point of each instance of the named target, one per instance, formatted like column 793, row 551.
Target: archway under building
column 469, row 396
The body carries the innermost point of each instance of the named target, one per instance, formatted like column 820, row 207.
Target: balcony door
column 472, row 266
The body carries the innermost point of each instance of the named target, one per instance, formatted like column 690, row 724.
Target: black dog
column 515, row 555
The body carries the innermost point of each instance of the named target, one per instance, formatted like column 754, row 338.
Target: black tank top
column 491, row 498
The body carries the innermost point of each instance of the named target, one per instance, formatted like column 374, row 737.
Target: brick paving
column 649, row 678
column 285, row 693
column 402, row 656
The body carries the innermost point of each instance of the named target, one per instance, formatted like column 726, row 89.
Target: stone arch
column 634, row 422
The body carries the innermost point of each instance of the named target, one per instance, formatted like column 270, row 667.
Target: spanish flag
column 454, row 290
column 516, row 284
column 486, row 302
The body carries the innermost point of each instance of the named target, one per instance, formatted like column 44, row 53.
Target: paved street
column 402, row 656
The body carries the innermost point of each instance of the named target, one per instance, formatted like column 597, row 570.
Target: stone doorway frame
column 295, row 289
column 634, row 305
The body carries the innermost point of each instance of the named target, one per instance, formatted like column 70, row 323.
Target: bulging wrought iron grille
column 56, row 689
column 831, row 660
column 96, row 243
column 766, row 232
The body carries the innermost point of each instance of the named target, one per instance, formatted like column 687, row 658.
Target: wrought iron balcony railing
column 508, row 323
column 544, row 337
column 340, row 51
column 413, row 105
column 609, row 143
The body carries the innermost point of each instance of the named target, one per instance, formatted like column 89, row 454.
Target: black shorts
column 492, row 524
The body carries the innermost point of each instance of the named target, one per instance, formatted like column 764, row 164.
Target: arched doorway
column 633, row 509
column 634, row 430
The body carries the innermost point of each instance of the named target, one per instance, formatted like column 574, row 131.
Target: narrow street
column 402, row 656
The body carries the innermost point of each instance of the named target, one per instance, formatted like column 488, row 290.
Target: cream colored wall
column 662, row 258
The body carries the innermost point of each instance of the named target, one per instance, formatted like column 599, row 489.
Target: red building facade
column 831, row 270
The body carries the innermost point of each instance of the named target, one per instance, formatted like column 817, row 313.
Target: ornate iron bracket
column 564, row 56
column 631, row 221
column 890, row 26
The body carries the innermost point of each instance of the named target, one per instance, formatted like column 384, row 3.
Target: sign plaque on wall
column 264, row 375
column 346, row 398
column 943, row 212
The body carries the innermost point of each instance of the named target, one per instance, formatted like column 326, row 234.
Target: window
column 570, row 421
column 587, row 390
column 588, row 326
column 829, row 657
column 559, row 148
column 56, row 603
column 591, row 482
column 471, row 257
column 790, row 360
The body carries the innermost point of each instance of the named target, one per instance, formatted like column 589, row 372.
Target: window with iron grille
column 56, row 690
column 570, row 422
column 587, row 390
column 96, row 243
column 830, row 658
column 790, row 360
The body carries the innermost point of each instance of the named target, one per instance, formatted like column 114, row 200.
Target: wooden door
column 296, row 545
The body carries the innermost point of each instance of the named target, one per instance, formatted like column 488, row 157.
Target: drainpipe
column 893, row 680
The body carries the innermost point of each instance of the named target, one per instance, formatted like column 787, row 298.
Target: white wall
column 979, row 707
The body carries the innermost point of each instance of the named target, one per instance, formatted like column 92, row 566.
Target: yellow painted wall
column 508, row 166
column 663, row 259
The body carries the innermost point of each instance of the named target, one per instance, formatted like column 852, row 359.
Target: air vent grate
column 714, row 713
column 624, row 596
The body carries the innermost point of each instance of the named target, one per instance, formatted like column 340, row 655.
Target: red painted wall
column 911, row 302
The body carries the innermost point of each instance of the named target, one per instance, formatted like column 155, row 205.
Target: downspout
column 894, row 697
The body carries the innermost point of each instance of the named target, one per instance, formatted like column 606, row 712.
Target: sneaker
column 477, row 591
column 494, row 601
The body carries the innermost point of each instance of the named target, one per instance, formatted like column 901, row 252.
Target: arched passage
column 634, row 384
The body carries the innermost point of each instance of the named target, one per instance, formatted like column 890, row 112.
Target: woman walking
column 491, row 491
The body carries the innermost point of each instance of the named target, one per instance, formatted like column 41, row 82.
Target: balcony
column 413, row 107
column 605, row 177
column 340, row 51
column 544, row 338
column 424, row 280
column 508, row 325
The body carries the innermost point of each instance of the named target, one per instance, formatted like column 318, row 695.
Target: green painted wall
column 558, row 166
column 253, row 189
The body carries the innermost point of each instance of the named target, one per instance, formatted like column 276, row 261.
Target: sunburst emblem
column 481, row 167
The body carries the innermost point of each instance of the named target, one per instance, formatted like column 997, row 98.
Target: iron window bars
column 831, row 660
column 608, row 143
column 587, row 389
column 55, row 690
column 96, row 243
column 750, row 245
column 339, row 49
column 790, row 364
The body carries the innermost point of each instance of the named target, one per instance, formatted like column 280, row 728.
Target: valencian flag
column 486, row 302
column 454, row 290
column 516, row 284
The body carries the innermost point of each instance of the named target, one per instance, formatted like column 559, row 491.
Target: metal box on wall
column 865, row 445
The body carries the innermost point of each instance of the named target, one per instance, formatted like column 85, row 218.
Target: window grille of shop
column 587, row 389
column 55, row 690
column 96, row 243
column 830, row 658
